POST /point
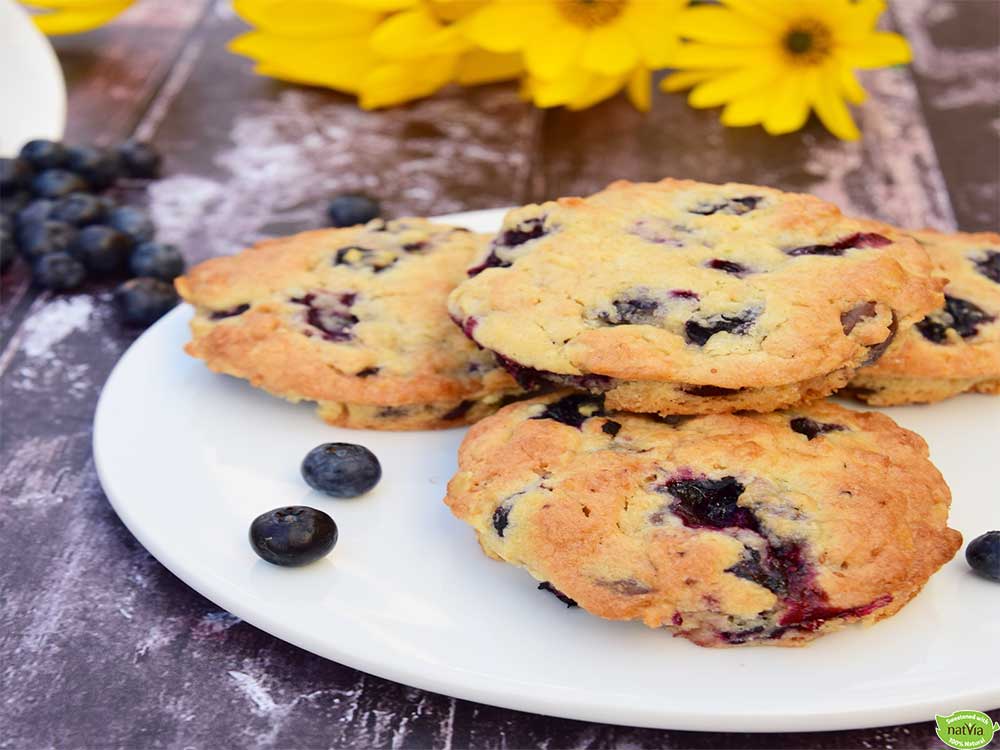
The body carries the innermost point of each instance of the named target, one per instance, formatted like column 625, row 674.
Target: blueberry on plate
column 98, row 167
column 158, row 260
column 59, row 271
column 348, row 210
column 56, row 183
column 144, row 301
column 101, row 249
column 15, row 175
column 43, row 237
column 132, row 221
column 983, row 555
column 139, row 159
column 341, row 469
column 78, row 209
column 43, row 154
column 292, row 536
column 8, row 247
column 35, row 212
column 11, row 205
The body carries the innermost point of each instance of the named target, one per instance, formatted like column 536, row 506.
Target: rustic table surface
column 100, row 646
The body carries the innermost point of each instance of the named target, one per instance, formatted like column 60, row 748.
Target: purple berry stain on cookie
column 546, row 586
column 709, row 391
column 573, row 410
column 854, row 241
column 611, row 427
column 230, row 313
column 731, row 206
column 500, row 521
column 330, row 314
column 529, row 378
column 728, row 266
column 709, row 503
column 367, row 372
column 811, row 428
column 989, row 265
column 657, row 231
column 849, row 319
column 959, row 315
column 524, row 231
column 362, row 257
column 459, row 411
column 700, row 331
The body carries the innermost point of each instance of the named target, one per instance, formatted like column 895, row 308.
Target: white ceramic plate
column 32, row 91
column 188, row 458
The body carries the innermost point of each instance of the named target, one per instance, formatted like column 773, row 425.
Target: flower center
column 808, row 41
column 590, row 13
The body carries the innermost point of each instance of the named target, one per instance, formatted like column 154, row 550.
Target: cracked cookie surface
column 724, row 529
column 955, row 348
column 683, row 297
column 353, row 319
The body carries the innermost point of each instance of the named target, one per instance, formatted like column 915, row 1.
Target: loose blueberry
column 59, row 271
column 8, row 247
column 983, row 555
column 139, row 159
column 15, row 175
column 57, row 183
column 958, row 314
column 700, row 331
column 352, row 209
column 102, row 250
column 144, row 301
column 573, row 410
column 989, row 265
column 132, row 221
column 78, row 209
column 35, row 212
column 15, row 203
column 43, row 154
column 341, row 469
column 292, row 536
column 546, row 586
column 811, row 428
column 158, row 260
column 98, row 167
column 859, row 240
column 36, row 240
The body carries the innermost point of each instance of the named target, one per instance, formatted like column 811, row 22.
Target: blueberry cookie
column 724, row 529
column 957, row 347
column 679, row 297
column 353, row 319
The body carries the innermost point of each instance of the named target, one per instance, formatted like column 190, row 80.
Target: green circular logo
column 966, row 730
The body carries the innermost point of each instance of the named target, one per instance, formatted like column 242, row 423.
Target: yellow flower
column 578, row 52
column 56, row 17
column 385, row 51
column 772, row 61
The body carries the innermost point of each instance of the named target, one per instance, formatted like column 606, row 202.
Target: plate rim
column 497, row 691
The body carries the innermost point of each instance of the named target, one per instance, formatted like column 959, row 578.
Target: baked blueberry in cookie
column 679, row 297
column 955, row 348
column 354, row 319
column 726, row 529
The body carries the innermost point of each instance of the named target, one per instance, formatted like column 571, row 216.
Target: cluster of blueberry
column 59, row 216
column 297, row 534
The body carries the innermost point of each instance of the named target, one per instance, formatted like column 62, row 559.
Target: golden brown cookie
column 353, row 319
column 724, row 529
column 957, row 347
column 682, row 297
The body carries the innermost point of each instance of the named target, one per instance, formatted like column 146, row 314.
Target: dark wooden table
column 100, row 646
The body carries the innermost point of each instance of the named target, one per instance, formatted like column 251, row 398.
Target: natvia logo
column 966, row 730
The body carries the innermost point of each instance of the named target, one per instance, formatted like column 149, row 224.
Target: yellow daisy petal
column 78, row 20
column 600, row 88
column 729, row 85
column 748, row 109
column 765, row 14
column 306, row 18
column 396, row 83
column 500, row 26
column 307, row 60
column 415, row 33
column 832, row 111
column 878, row 50
column 720, row 25
column 639, row 90
column 557, row 91
column 652, row 27
column 383, row 6
column 550, row 54
column 789, row 109
column 711, row 56
column 853, row 90
column 609, row 51
column 478, row 66
column 685, row 79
